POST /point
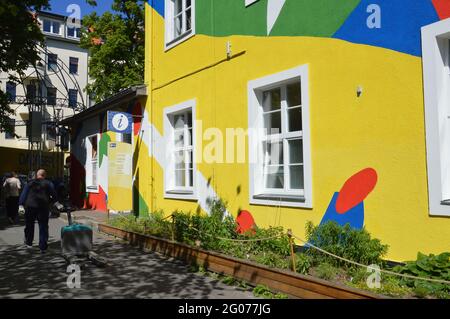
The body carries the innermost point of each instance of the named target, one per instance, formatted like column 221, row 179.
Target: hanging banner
column 120, row 165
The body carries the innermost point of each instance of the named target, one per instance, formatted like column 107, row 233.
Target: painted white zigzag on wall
column 149, row 134
column 273, row 12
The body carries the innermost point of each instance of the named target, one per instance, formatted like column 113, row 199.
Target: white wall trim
column 437, row 110
column 167, row 162
column 253, row 118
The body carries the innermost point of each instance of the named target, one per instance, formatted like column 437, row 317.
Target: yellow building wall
column 383, row 129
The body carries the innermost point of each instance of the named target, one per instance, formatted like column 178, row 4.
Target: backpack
column 38, row 194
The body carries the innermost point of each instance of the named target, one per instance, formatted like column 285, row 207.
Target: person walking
column 11, row 188
column 35, row 200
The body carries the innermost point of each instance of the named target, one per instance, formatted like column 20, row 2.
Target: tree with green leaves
column 20, row 37
column 116, row 48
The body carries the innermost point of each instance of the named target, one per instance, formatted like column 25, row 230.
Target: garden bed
column 341, row 260
column 288, row 282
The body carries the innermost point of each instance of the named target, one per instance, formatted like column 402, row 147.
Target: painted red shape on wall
column 245, row 222
column 137, row 119
column 356, row 189
column 442, row 8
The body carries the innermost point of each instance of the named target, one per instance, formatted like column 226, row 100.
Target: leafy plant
column 431, row 266
column 272, row 260
column 228, row 280
column 262, row 291
column 303, row 263
column 353, row 244
column 326, row 271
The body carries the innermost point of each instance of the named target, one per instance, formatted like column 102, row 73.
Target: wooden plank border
column 288, row 282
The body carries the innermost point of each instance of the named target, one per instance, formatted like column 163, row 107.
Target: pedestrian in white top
column 11, row 188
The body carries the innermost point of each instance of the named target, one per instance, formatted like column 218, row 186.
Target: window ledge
column 173, row 43
column 91, row 189
column 283, row 197
column 180, row 194
column 446, row 202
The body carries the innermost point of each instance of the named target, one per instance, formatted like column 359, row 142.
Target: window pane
column 273, row 153
column 190, row 159
column 295, row 151
column 179, row 160
column 188, row 3
column 47, row 26
column 178, row 121
column 73, row 95
column 52, row 62
column 272, row 100
column 274, row 177
column 296, row 176
column 294, row 94
column 272, row 123
column 11, row 135
column 71, row 32
column 31, row 92
column 56, row 26
column 180, row 178
column 178, row 6
column 11, row 90
column 51, row 96
column 178, row 26
column 189, row 119
column 189, row 137
column 191, row 178
column 295, row 119
column 179, row 138
column 188, row 20
column 73, row 65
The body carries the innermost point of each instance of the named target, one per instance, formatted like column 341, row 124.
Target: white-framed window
column 92, row 147
column 179, row 21
column 436, row 75
column 180, row 170
column 51, row 26
column 279, row 139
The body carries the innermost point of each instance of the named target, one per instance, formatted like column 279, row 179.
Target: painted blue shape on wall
column 401, row 21
column 354, row 217
column 158, row 6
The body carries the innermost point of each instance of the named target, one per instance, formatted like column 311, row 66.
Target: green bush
column 353, row 244
column 272, row 260
column 326, row 271
column 303, row 263
column 431, row 266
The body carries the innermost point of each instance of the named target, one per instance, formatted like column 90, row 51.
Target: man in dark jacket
column 36, row 198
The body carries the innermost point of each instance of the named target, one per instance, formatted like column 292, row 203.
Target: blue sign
column 120, row 122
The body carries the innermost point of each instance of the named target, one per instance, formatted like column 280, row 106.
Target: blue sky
column 60, row 6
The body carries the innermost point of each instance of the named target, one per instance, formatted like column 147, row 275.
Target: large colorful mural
column 368, row 151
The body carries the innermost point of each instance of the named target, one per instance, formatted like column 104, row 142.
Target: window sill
column 180, row 194
column 280, row 200
column 445, row 202
column 283, row 197
column 173, row 43
column 92, row 190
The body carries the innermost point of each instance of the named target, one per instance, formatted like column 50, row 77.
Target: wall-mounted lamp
column 229, row 53
column 359, row 91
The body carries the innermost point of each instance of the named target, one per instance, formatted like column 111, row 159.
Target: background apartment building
column 52, row 90
column 57, row 83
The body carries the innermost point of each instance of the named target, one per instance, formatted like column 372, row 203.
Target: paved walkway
column 131, row 273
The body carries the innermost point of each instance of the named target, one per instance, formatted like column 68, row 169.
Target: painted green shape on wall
column 103, row 147
column 142, row 208
column 231, row 17
column 321, row 18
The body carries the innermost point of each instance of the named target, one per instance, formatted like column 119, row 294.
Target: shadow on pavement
column 131, row 273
